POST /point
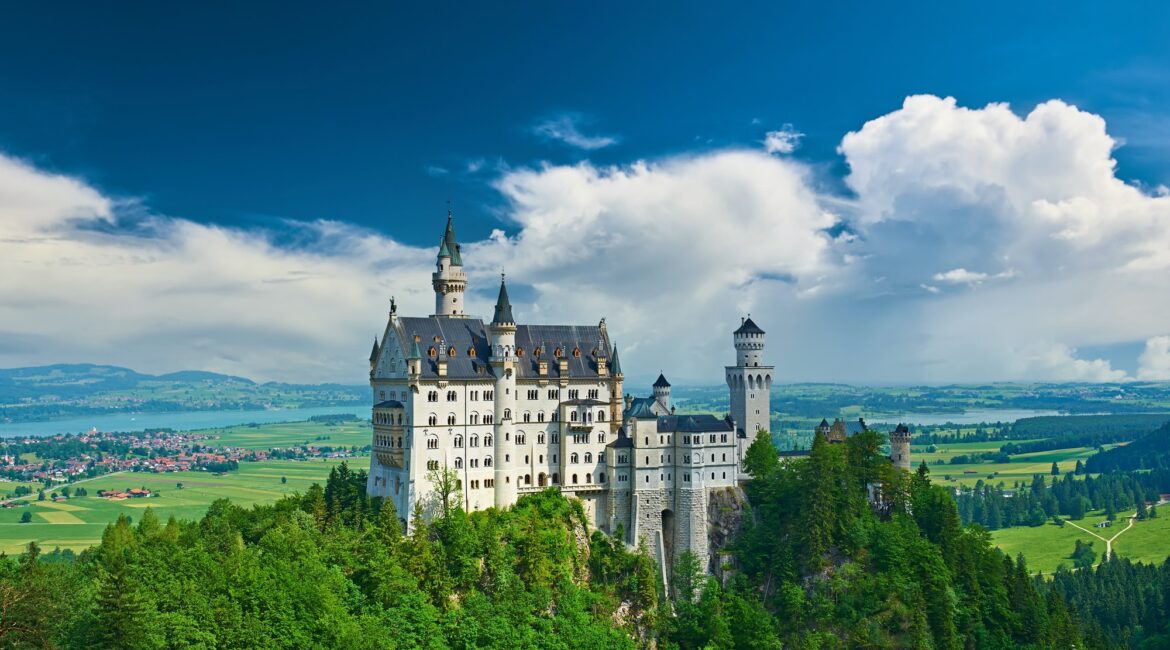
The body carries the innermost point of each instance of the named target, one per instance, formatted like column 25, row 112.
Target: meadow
column 1047, row 547
column 1021, row 467
column 78, row 523
column 292, row 434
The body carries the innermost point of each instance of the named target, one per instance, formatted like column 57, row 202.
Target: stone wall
column 726, row 509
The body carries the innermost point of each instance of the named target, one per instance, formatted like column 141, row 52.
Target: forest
column 1151, row 451
column 840, row 550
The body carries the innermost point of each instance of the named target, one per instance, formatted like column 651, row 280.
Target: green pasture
column 9, row 487
column 78, row 523
column 1021, row 467
column 291, row 434
column 1047, row 547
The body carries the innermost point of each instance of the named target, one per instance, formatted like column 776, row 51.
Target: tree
column 283, row 480
column 761, row 458
column 446, row 485
column 41, row 495
column 178, row 486
column 26, row 517
column 1055, row 469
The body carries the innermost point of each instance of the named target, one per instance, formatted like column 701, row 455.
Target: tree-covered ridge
column 332, row 569
column 1151, row 451
column 846, row 551
column 1123, row 604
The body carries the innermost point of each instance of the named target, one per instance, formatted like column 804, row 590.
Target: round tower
column 749, row 344
column 900, row 447
column 449, row 280
column 662, row 391
column 503, row 362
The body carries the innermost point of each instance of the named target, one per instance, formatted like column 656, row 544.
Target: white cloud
column 672, row 251
column 566, row 129
column 436, row 170
column 1154, row 363
column 960, row 276
column 783, row 141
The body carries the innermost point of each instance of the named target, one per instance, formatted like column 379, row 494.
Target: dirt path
column 1109, row 542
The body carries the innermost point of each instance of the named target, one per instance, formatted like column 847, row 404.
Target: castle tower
column 615, row 394
column 750, row 384
column 900, row 447
column 503, row 361
column 449, row 280
column 662, row 392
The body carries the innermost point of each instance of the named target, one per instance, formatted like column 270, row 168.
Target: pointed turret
column 374, row 352
column 449, row 280
column 415, row 352
column 503, row 306
column 450, row 243
column 615, row 365
column 661, row 381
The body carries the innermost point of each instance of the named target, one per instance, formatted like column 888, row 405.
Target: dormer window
column 519, row 351
column 471, row 352
column 437, row 339
column 432, row 352
column 537, row 352
column 557, row 353
column 451, row 351
column 576, row 352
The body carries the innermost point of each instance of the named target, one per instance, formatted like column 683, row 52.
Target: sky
column 921, row 194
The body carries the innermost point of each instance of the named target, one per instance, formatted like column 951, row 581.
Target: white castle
column 513, row 409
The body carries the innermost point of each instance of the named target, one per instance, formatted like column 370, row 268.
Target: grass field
column 1021, row 467
column 290, row 434
column 1047, row 547
column 78, row 523
column 8, row 487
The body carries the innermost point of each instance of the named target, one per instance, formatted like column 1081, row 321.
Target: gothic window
column 432, row 442
column 487, row 441
column 723, row 437
column 473, row 441
column 527, row 479
column 520, row 438
column 556, row 416
column 576, row 352
column 433, row 396
column 458, row 441
column 474, row 396
column 589, row 416
column 557, row 353
column 573, row 416
column 519, row 351
column 471, row 352
column 507, row 414
column 556, row 438
column 540, row 438
column 623, row 458
column 540, row 416
column 601, row 437
column 432, row 419
column 601, row 416
column 451, row 419
column 474, row 418
column 574, row 458
column 474, row 462
column 527, row 416
column 452, row 396
column 488, row 395
column 458, row 463
column 534, row 394
column 556, row 478
column 588, row 457
column 487, row 461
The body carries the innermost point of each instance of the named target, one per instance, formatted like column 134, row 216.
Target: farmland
column 78, row 523
column 1049, row 546
column 1020, row 467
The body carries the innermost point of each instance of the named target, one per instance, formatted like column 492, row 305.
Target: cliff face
column 726, row 508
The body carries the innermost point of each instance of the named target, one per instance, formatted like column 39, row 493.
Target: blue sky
column 261, row 124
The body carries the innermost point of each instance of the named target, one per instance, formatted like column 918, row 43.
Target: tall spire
column 374, row 352
column 449, row 240
column 503, row 305
column 415, row 353
column 615, row 365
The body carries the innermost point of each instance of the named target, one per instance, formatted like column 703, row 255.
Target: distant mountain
column 68, row 390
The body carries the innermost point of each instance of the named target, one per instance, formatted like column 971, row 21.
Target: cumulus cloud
column 566, row 129
column 672, row 251
column 783, row 141
column 1154, row 363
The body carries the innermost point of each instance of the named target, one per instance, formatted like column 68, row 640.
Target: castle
column 513, row 409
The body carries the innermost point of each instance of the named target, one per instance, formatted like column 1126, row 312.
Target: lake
column 179, row 420
column 965, row 417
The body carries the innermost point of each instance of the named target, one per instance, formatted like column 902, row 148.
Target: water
column 179, row 420
column 966, row 417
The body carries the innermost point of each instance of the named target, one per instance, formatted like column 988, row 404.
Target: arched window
column 520, row 438
column 541, row 478
column 601, row 416
column 540, row 438
column 601, row 477
column 432, row 419
column 540, row 416
column 458, row 463
column 574, row 458
column 507, row 414
column 473, row 441
column 589, row 415
column 588, row 477
column 556, row 478
column 450, row 418
column 573, row 416
column 488, row 418
column 574, row 479
column 452, row 396
column 487, row 461
column 527, row 479
column 519, row 351
column 588, row 457
column 458, row 441
column 474, row 418
column 527, row 416
column 487, row 441
column 432, row 442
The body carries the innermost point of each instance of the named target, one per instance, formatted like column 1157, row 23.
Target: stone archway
column 668, row 537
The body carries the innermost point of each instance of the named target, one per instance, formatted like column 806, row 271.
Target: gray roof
column 623, row 440
column 467, row 333
column 503, row 306
column 450, row 244
column 374, row 352
column 641, row 408
column 748, row 327
column 703, row 422
column 389, row 404
column 661, row 381
column 585, row 402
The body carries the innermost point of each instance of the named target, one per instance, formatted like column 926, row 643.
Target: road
column 1109, row 542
